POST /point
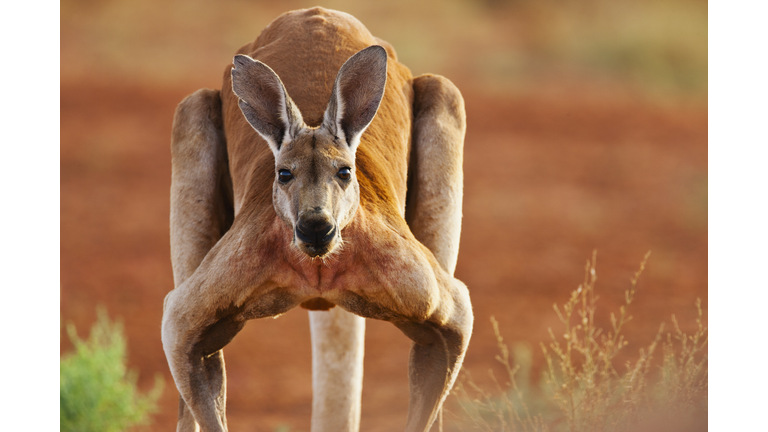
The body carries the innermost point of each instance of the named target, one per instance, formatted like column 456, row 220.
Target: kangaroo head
column 315, row 190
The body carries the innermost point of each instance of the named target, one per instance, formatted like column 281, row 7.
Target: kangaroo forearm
column 205, row 394
column 435, row 360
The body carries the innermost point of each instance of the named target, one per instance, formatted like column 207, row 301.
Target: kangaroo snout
column 315, row 230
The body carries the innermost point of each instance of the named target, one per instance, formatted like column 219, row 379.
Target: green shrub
column 98, row 393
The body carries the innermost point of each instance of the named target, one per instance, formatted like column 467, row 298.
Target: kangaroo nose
column 317, row 231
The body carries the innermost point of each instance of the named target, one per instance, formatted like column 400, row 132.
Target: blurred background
column 587, row 129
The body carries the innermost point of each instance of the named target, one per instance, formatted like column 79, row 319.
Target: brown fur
column 229, row 270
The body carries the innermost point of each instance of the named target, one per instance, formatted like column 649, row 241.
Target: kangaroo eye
column 284, row 176
column 344, row 173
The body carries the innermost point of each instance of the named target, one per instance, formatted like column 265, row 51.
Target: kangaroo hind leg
column 201, row 187
column 435, row 176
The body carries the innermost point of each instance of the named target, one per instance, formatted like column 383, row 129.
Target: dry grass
column 581, row 388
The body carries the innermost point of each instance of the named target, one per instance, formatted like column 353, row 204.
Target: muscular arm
column 201, row 210
column 433, row 213
column 406, row 286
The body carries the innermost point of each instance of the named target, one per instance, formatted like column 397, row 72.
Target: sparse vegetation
column 582, row 389
column 98, row 393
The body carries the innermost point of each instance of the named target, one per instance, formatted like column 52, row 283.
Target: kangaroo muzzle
column 315, row 233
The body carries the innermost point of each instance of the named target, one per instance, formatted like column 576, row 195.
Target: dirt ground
column 547, row 180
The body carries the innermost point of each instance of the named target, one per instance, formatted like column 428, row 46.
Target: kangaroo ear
column 264, row 102
column 357, row 94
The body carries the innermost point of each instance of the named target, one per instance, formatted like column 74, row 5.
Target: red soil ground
column 546, row 181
